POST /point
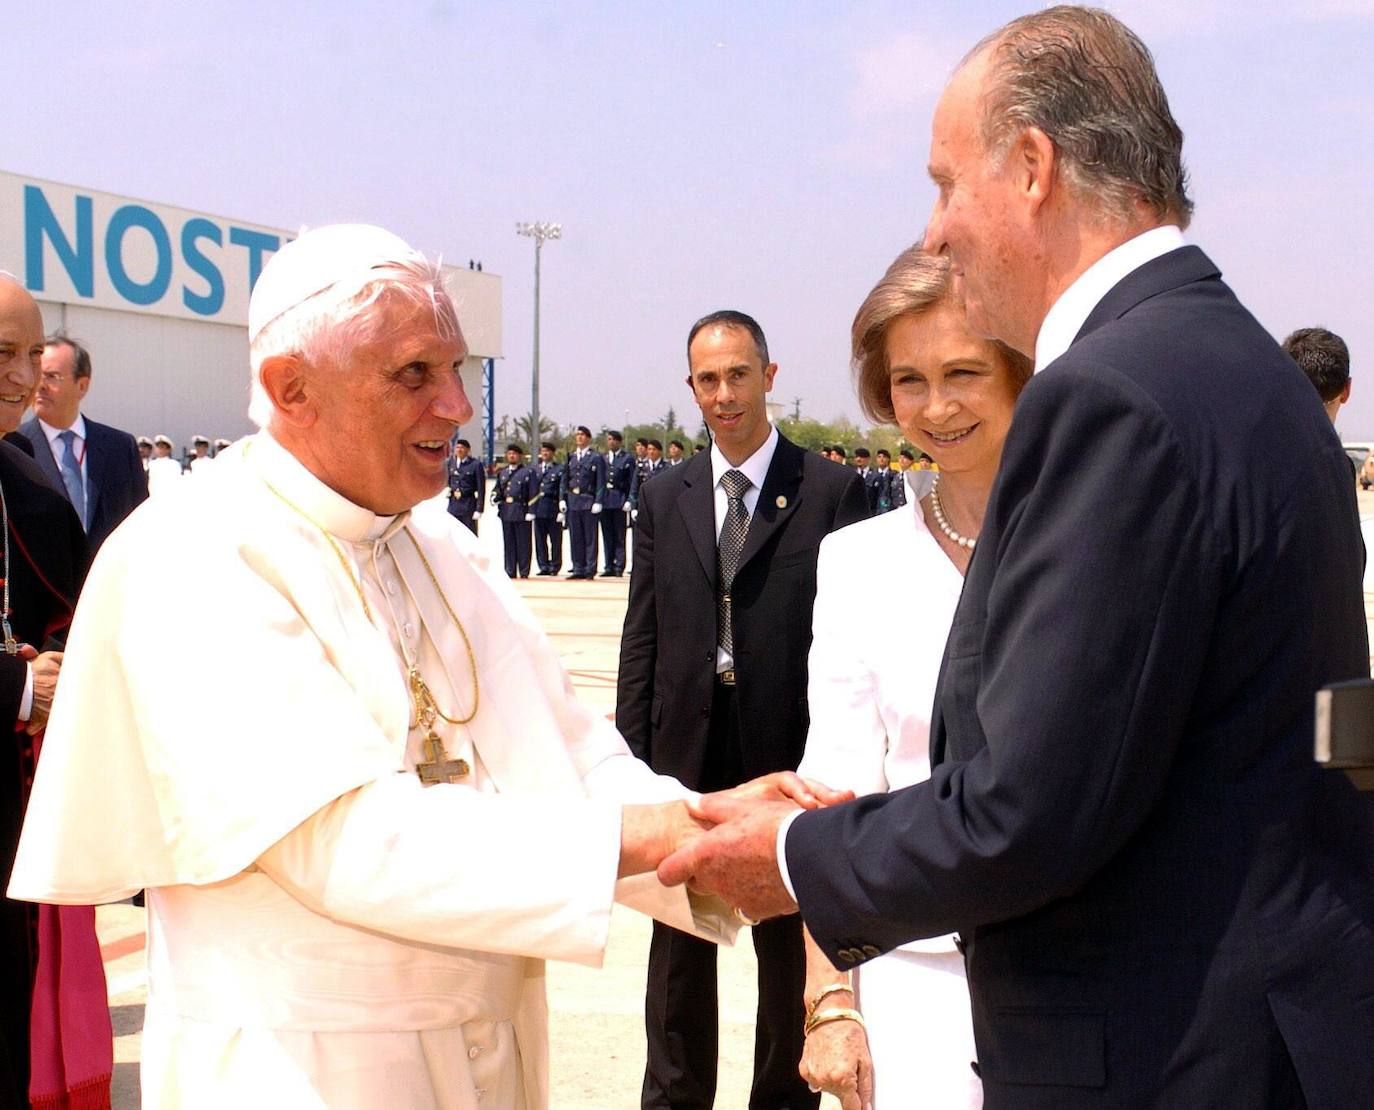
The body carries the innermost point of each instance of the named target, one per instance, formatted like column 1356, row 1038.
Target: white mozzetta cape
column 321, row 927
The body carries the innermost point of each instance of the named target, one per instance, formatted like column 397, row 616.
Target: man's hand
column 46, row 668
column 562, row 518
column 628, row 507
column 649, row 833
column 596, row 509
column 836, row 1059
column 787, row 786
column 562, row 506
column 529, row 517
column 738, row 858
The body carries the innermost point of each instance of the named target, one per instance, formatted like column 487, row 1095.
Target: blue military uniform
column 898, row 488
column 888, row 480
column 584, row 485
column 622, row 488
column 871, row 483
column 514, row 488
column 467, row 483
column 548, row 531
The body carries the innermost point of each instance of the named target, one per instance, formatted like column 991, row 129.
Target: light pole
column 538, row 231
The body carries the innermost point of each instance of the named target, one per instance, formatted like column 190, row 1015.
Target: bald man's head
column 21, row 351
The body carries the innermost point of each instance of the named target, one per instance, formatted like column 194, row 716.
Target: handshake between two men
column 724, row 843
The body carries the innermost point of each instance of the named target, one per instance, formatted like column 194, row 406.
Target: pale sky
column 763, row 156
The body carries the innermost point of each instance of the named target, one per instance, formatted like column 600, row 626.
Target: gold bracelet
column 826, row 992
column 825, row 1017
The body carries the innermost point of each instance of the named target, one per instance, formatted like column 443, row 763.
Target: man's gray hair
column 1087, row 81
column 322, row 330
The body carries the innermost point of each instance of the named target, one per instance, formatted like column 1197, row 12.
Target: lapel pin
column 782, row 502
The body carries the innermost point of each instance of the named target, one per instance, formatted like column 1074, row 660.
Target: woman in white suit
column 898, row 1033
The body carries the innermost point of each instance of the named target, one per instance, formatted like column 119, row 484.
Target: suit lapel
column 95, row 469
column 778, row 500
column 42, row 453
column 1169, row 271
column 698, row 509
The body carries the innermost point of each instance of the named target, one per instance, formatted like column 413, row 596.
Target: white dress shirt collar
column 78, row 426
column 755, row 467
column 1070, row 312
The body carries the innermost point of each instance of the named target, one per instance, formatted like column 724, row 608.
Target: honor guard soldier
column 887, row 479
column 905, row 459
column 655, row 464
column 675, row 453
column 548, row 518
column 642, row 458
column 200, row 457
column 514, row 489
column 467, row 483
column 162, row 468
column 584, row 490
column 622, row 488
column 145, row 451
column 870, row 477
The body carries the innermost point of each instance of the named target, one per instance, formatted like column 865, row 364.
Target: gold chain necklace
column 426, row 707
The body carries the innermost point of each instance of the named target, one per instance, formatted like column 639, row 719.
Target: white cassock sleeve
column 450, row 865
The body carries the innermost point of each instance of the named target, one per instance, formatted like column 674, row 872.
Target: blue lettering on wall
column 126, row 218
column 69, row 237
column 257, row 242
column 40, row 222
column 211, row 301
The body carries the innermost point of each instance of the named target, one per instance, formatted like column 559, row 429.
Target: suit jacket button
column 846, row 954
column 871, row 950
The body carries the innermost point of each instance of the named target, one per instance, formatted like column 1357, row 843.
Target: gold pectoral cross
column 437, row 767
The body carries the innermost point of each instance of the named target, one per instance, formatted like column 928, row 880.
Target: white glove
column 562, row 506
column 634, row 515
column 562, row 518
column 529, row 517
column 595, row 509
column 627, row 507
column 476, row 516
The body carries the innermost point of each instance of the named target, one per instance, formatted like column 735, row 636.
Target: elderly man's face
column 977, row 219
column 21, row 352
column 384, row 419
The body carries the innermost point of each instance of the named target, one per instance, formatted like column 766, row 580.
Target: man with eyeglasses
column 96, row 466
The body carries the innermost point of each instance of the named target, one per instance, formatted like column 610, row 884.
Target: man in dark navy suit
column 98, row 467
column 864, row 469
column 1164, row 901
column 712, row 681
column 548, row 518
column 467, row 485
column 622, row 486
column 584, row 491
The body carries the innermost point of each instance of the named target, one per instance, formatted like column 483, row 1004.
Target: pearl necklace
column 969, row 542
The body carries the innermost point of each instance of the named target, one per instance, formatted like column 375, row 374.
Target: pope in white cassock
column 370, row 808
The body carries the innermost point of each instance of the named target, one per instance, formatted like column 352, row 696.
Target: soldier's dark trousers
column 582, row 541
column 516, row 533
column 613, row 536
column 548, row 544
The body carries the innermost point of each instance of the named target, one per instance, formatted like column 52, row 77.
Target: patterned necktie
column 71, row 475
column 730, row 544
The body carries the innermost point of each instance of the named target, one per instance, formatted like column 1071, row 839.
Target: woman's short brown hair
column 916, row 282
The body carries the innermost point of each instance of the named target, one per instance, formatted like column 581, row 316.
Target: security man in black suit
column 641, row 458
column 514, row 488
column 584, row 491
column 548, row 518
column 1163, row 900
column 622, row 486
column 98, row 467
column 467, row 485
column 716, row 702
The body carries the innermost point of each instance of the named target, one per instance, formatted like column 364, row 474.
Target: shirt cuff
column 26, row 702
column 782, row 852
